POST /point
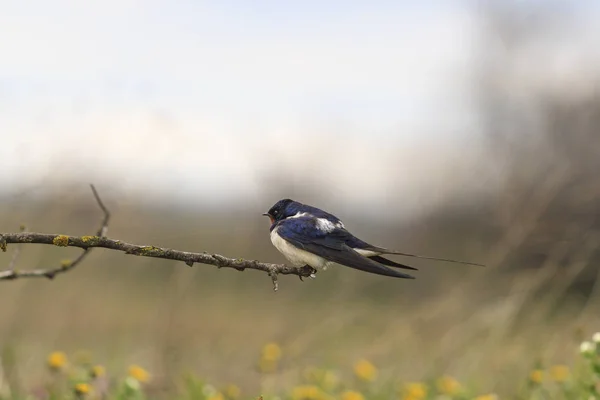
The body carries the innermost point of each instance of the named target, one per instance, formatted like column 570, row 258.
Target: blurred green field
column 488, row 328
column 81, row 378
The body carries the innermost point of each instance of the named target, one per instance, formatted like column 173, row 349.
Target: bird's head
column 282, row 209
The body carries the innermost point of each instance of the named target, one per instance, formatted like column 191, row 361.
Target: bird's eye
column 275, row 212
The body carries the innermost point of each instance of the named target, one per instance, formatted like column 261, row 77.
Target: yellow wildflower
column 448, row 385
column 415, row 391
column 559, row 373
column 307, row 392
column 271, row 352
column 232, row 392
column 490, row 396
column 352, row 395
column 217, row 396
column 536, row 376
column 97, row 371
column 57, row 360
column 138, row 373
column 365, row 371
column 81, row 389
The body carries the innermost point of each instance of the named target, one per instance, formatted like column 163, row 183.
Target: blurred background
column 453, row 129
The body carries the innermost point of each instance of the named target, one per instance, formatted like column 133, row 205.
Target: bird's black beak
column 270, row 217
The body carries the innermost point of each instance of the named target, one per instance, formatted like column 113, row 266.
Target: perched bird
column 309, row 236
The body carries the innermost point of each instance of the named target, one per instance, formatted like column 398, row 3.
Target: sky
column 180, row 98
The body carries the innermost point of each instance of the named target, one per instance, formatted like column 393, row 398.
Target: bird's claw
column 309, row 271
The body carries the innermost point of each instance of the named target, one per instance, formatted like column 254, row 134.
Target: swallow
column 309, row 236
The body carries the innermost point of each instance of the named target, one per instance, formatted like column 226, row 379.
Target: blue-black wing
column 385, row 261
column 304, row 233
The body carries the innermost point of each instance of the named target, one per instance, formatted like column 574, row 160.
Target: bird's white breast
column 296, row 256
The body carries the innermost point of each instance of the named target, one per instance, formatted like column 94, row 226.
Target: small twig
column 87, row 243
column 66, row 265
column 104, row 227
column 273, row 276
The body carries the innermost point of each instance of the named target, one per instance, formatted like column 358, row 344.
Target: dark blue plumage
column 307, row 235
column 287, row 208
column 324, row 235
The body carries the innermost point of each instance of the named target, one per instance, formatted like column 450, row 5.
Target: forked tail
column 433, row 258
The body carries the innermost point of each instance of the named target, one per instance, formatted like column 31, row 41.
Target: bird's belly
column 296, row 256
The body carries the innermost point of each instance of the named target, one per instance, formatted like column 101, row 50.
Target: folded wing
column 385, row 261
column 304, row 233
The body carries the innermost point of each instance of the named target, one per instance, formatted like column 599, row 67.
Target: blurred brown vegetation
column 538, row 296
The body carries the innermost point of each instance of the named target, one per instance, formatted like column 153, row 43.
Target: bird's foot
column 307, row 272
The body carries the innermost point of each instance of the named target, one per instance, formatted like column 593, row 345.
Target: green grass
column 80, row 378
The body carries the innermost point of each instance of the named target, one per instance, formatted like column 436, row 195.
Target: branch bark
column 87, row 243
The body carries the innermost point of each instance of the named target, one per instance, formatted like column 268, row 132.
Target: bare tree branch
column 66, row 265
column 87, row 243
